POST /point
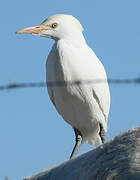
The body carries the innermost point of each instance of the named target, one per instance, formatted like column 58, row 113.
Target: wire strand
column 67, row 83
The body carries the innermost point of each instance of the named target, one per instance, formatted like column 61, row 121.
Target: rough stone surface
column 119, row 159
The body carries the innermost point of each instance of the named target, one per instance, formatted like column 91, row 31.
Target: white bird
column 71, row 62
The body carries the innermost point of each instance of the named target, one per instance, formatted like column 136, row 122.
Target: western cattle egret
column 85, row 106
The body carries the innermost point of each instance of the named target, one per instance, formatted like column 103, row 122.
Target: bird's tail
column 94, row 136
column 94, row 139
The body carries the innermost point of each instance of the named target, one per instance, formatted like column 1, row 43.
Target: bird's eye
column 54, row 25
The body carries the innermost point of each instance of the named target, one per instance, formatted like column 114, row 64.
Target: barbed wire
column 67, row 83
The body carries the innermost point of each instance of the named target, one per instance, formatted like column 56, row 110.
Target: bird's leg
column 78, row 142
column 102, row 133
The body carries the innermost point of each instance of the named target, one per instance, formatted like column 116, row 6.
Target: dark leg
column 78, row 142
column 102, row 133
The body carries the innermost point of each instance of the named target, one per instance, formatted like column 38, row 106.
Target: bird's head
column 56, row 27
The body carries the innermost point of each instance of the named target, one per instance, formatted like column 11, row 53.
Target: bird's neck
column 76, row 39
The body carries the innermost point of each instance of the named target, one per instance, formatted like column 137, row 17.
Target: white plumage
column 85, row 106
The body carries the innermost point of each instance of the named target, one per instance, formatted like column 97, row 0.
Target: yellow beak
column 33, row 29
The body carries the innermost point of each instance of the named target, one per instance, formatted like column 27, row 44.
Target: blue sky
column 32, row 134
